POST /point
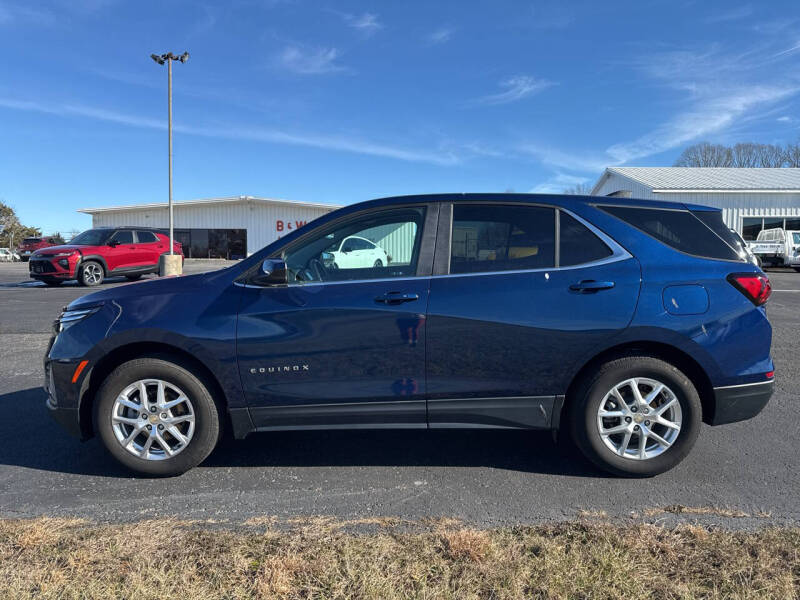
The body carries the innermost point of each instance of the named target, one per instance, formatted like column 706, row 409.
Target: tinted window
column 31, row 240
column 146, row 237
column 578, row 244
column 679, row 229
column 123, row 237
column 501, row 238
column 92, row 237
column 396, row 235
column 713, row 220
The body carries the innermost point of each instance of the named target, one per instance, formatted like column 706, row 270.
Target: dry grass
column 679, row 509
column 323, row 558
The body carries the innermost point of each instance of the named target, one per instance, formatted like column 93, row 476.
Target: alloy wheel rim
column 153, row 419
column 639, row 418
column 91, row 273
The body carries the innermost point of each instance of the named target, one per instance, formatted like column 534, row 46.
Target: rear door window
column 679, row 229
column 491, row 237
column 146, row 237
column 577, row 244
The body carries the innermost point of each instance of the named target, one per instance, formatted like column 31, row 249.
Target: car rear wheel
column 636, row 416
column 378, row 263
column 133, row 277
column 157, row 417
column 91, row 273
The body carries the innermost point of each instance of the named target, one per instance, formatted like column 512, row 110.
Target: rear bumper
column 740, row 402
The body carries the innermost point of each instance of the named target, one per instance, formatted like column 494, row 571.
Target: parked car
column 31, row 244
column 777, row 247
column 95, row 254
column 623, row 323
column 356, row 252
column 8, row 255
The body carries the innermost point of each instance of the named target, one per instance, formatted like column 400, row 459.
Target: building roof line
column 206, row 201
column 724, row 191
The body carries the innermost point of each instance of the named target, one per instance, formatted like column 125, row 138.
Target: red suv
column 31, row 244
column 95, row 254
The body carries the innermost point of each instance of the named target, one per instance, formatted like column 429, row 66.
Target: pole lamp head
column 159, row 59
column 184, row 57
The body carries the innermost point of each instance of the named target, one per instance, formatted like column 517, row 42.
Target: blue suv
column 626, row 323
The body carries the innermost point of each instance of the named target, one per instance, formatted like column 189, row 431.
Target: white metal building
column 750, row 199
column 238, row 226
column 217, row 227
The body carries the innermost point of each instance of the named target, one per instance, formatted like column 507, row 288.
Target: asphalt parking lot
column 483, row 477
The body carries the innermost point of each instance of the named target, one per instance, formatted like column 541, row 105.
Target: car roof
column 132, row 228
column 562, row 200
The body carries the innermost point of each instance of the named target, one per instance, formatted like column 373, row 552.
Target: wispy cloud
column 733, row 14
column 440, row 36
column 789, row 50
column 711, row 115
column 275, row 136
column 558, row 183
column 24, row 14
column 516, row 88
column 563, row 159
column 310, row 61
column 366, row 23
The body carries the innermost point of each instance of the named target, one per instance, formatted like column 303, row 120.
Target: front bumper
column 740, row 402
column 49, row 268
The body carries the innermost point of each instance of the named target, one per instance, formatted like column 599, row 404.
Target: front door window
column 375, row 246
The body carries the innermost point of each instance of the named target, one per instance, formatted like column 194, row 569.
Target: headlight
column 68, row 318
column 63, row 254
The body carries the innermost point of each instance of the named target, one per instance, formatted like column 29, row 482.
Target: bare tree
column 579, row 189
column 705, row 154
column 791, row 155
column 743, row 155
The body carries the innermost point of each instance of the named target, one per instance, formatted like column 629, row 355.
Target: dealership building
column 232, row 227
column 750, row 199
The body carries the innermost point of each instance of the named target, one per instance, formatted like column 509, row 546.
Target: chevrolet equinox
column 623, row 323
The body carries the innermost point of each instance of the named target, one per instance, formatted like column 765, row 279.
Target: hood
column 57, row 249
column 144, row 289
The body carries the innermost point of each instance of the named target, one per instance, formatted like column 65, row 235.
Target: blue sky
column 344, row 101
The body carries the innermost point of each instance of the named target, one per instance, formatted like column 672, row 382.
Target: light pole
column 161, row 59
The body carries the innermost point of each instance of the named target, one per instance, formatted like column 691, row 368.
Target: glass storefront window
column 750, row 227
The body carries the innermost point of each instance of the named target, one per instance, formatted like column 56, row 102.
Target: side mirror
column 272, row 272
column 113, row 243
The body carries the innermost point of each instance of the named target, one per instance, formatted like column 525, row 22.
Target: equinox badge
column 279, row 369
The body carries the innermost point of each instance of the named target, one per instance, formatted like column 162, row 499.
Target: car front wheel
column 157, row 417
column 91, row 273
column 636, row 416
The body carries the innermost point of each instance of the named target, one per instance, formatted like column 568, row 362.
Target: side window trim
column 445, row 231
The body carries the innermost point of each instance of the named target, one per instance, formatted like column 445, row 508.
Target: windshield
column 31, row 240
column 93, row 237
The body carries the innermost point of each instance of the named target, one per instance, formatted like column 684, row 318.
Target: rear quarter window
column 679, row 229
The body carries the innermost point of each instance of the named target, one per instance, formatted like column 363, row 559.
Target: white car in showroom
column 358, row 253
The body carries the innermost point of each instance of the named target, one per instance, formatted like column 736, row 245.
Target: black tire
column 796, row 269
column 95, row 267
column 208, row 418
column 590, row 392
column 133, row 277
column 24, row 258
column 378, row 263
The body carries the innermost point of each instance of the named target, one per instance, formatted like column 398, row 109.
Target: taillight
column 755, row 286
